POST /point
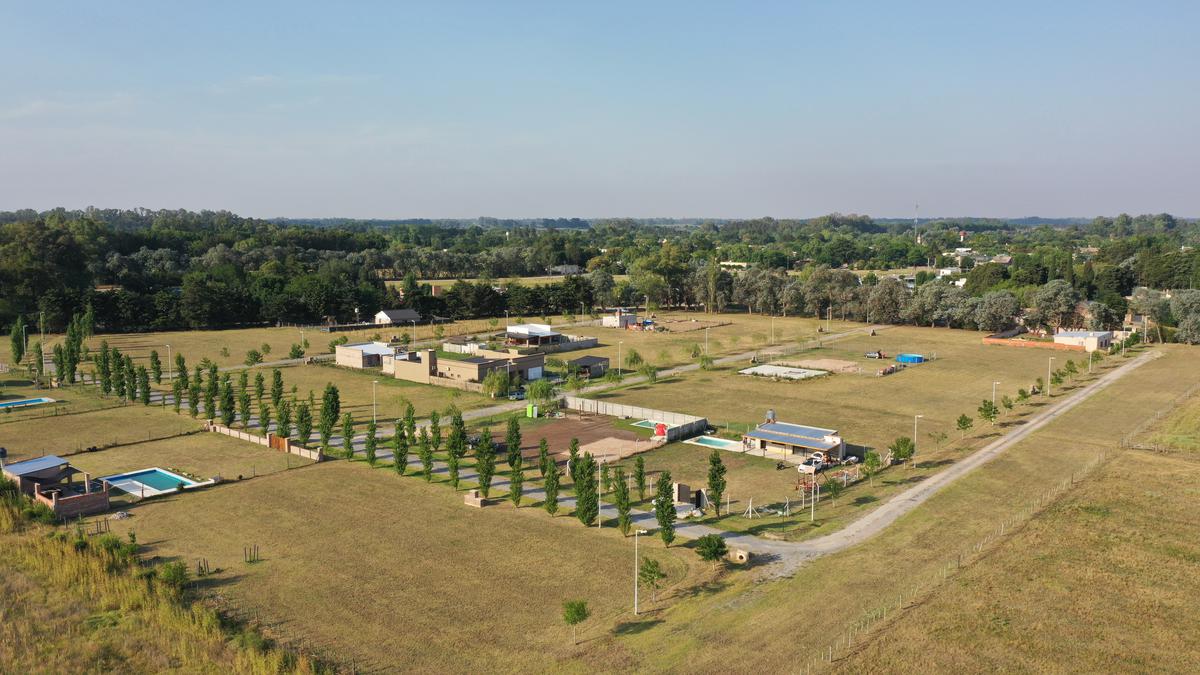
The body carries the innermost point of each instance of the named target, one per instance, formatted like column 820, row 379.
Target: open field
column 72, row 433
column 202, row 454
column 1103, row 580
column 383, row 570
column 744, row 333
column 1181, row 430
column 866, row 409
column 840, row 589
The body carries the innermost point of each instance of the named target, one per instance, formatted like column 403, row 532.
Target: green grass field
column 70, row 433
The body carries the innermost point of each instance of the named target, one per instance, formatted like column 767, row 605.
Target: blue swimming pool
column 148, row 482
column 714, row 442
column 25, row 402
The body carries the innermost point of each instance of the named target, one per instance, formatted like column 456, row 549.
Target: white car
column 812, row 464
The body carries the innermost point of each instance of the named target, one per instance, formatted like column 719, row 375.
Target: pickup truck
column 813, row 463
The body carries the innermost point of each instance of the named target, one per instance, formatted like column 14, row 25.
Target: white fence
column 679, row 425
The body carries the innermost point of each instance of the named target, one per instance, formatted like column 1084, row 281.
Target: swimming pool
column 25, row 402
column 149, row 482
column 648, row 424
column 718, row 443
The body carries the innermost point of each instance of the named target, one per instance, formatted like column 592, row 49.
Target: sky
column 571, row 109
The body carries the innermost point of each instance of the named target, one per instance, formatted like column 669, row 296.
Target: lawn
column 201, row 455
column 73, row 432
column 354, row 387
column 713, row 630
column 744, row 333
column 866, row 409
column 75, row 399
column 380, row 570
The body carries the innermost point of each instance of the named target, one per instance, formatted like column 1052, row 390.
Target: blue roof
column 789, row 439
column 796, row 430
column 34, row 465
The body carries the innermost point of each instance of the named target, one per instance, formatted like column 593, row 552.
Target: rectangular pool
column 718, row 443
column 647, row 424
column 149, row 482
column 25, row 402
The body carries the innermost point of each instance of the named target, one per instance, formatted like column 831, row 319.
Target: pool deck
column 126, row 483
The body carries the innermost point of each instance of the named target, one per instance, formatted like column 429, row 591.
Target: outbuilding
column 388, row 317
column 589, row 366
column 1090, row 340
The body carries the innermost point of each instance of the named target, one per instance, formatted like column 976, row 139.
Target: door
column 535, row 373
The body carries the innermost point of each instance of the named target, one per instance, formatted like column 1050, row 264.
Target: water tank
column 770, row 416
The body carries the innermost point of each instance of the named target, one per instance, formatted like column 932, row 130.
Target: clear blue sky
column 721, row 109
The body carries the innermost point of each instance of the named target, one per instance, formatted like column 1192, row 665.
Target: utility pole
column 914, row 457
column 169, row 365
column 1049, row 364
column 636, row 532
column 599, row 503
column 621, row 342
column 373, row 383
column 994, row 392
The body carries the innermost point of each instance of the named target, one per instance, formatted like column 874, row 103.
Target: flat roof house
column 794, row 439
column 363, row 354
column 425, row 367
column 531, row 335
column 51, row 481
column 396, row 316
column 589, row 366
column 1090, row 340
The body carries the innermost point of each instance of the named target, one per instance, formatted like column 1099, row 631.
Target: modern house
column 566, row 269
column 363, row 354
column 387, row 317
column 794, row 439
column 589, row 366
column 51, row 481
column 1090, row 340
column 620, row 318
column 425, row 367
column 531, row 335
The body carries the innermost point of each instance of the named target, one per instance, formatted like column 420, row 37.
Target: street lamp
column 1048, row 366
column 621, row 342
column 170, row 372
column 994, row 392
column 706, row 339
column 599, row 495
column 373, row 383
column 914, row 457
column 635, row 569
column 414, row 323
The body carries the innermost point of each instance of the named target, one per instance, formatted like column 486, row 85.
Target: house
column 425, row 367
column 531, row 335
column 794, row 439
column 51, row 481
column 1090, row 340
column 947, row 271
column 1002, row 259
column 387, row 317
column 566, row 269
column 363, row 354
column 589, row 366
column 620, row 318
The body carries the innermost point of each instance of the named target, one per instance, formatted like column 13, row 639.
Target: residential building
column 363, row 354
column 1090, row 340
column 531, row 335
column 620, row 318
column 51, row 481
column 589, row 366
column 387, row 317
column 794, row 439
column 425, row 367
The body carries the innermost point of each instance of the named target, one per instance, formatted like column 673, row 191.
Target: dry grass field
column 201, row 454
column 713, row 630
column 1180, row 430
column 866, row 409
column 385, row 572
column 1102, row 581
column 70, row 433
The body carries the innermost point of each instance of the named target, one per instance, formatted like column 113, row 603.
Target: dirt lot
column 832, row 365
column 596, row 435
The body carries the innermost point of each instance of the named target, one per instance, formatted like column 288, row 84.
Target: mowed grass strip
column 1102, row 581
column 392, row 573
column 202, row 454
column 733, row 624
column 67, row 434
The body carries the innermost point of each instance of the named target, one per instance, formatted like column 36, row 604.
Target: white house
column 619, row 319
column 396, row 316
column 1090, row 340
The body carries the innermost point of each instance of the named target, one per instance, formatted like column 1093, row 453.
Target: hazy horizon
column 526, row 110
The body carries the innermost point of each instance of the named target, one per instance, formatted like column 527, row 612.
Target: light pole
column 706, row 339
column 170, row 372
column 414, row 323
column 599, row 494
column 636, row 532
column 914, row 457
column 506, row 319
column 1049, row 364
column 772, row 330
column 994, row 392
column 621, row 342
column 373, row 383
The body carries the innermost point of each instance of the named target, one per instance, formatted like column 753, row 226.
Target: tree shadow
column 635, row 627
column 936, row 464
column 864, row 500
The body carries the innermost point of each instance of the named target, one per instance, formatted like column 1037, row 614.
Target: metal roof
column 1084, row 333
column 376, row 348
column 530, row 329
column 589, row 361
column 394, row 315
column 788, row 439
column 34, row 465
column 796, row 430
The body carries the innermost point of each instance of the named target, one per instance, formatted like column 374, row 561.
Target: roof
column 531, row 329
column 589, row 361
column 789, row 439
column 801, row 430
column 34, row 465
column 1084, row 333
column 374, row 348
column 400, row 314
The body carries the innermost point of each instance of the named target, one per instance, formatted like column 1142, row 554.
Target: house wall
column 76, row 505
column 1033, row 344
column 416, row 371
column 348, row 358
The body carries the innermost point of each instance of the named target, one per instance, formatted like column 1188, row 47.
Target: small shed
column 589, row 366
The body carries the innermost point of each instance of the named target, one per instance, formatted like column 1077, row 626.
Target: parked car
column 518, row 395
column 812, row 464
